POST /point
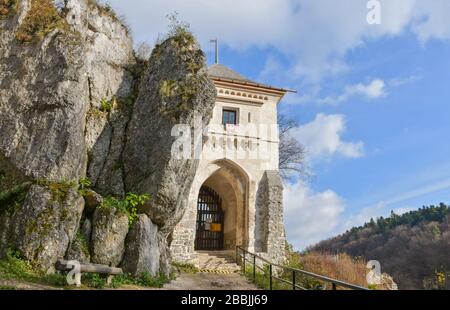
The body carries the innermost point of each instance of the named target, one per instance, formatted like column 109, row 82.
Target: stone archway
column 231, row 183
column 227, row 183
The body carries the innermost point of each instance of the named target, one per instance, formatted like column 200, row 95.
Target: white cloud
column 316, row 35
column 432, row 20
column 372, row 90
column 310, row 216
column 322, row 138
column 363, row 216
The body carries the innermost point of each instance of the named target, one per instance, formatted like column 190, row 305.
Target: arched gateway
column 236, row 200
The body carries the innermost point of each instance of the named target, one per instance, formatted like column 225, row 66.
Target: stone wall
column 270, row 233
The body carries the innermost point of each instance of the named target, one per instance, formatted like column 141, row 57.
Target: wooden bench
column 64, row 265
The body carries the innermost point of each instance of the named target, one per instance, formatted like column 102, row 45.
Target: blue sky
column 373, row 103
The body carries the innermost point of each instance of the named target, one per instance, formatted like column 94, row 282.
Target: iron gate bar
column 334, row 283
column 209, row 211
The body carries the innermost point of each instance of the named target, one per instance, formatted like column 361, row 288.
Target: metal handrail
column 334, row 283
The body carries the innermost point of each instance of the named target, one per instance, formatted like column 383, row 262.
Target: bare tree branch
column 292, row 153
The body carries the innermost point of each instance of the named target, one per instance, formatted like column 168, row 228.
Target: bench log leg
column 78, row 279
column 109, row 279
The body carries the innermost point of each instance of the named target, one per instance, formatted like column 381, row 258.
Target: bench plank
column 61, row 265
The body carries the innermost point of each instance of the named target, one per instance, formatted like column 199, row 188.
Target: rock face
column 109, row 230
column 68, row 110
column 43, row 227
column 142, row 252
column 42, row 109
column 93, row 201
column 79, row 250
column 175, row 90
column 51, row 94
column 52, row 121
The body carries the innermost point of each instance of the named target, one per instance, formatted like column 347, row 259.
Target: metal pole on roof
column 216, row 42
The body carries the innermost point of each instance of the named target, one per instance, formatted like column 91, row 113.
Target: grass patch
column 97, row 281
column 185, row 267
column 42, row 18
column 16, row 267
column 144, row 280
column 7, row 288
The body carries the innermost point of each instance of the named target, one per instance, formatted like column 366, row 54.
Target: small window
column 229, row 117
column 249, row 117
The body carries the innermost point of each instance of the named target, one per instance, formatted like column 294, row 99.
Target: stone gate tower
column 236, row 196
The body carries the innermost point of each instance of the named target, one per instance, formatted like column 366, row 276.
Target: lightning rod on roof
column 216, row 42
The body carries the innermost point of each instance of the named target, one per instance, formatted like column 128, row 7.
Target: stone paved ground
column 216, row 262
column 210, row 281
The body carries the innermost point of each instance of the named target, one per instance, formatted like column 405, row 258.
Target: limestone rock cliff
column 175, row 90
column 74, row 104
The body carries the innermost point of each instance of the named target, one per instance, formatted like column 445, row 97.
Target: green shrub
column 177, row 28
column 144, row 280
column 83, row 186
column 130, row 205
column 85, row 183
column 16, row 267
column 42, row 18
column 93, row 280
column 107, row 106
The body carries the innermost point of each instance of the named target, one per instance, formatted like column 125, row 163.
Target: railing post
column 254, row 268
column 333, row 286
column 270, row 276
column 293, row 280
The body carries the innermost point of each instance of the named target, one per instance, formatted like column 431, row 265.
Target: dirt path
column 210, row 281
column 22, row 285
column 197, row 281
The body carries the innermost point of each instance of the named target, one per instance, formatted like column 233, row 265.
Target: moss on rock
column 59, row 190
column 41, row 19
column 8, row 8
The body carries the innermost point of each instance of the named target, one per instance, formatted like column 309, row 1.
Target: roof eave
column 282, row 91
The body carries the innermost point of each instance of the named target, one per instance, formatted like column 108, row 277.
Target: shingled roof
column 221, row 72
